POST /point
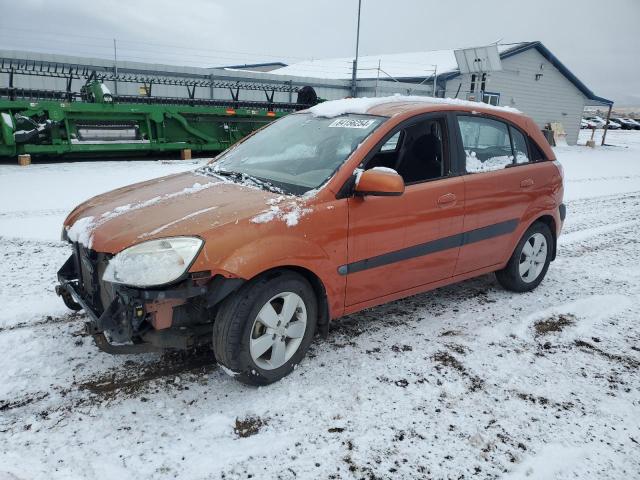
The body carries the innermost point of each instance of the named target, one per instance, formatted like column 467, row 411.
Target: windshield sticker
column 351, row 123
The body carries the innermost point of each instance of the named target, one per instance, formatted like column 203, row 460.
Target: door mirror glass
column 379, row 181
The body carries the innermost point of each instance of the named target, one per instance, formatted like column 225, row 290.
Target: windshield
column 297, row 153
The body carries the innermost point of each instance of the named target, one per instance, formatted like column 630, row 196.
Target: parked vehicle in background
column 323, row 213
column 584, row 123
column 596, row 121
column 601, row 122
column 627, row 123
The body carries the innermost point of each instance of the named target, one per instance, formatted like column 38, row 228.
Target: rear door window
column 520, row 150
column 486, row 143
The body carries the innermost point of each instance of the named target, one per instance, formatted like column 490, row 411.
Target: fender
column 543, row 206
column 271, row 252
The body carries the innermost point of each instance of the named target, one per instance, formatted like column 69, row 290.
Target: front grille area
column 90, row 266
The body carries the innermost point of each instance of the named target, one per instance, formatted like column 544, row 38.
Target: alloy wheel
column 278, row 330
column 533, row 257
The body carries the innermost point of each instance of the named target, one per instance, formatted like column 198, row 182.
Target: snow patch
column 86, row 225
column 474, row 164
column 362, row 105
column 80, row 231
column 384, row 169
column 275, row 201
column 228, row 371
column 581, row 235
column 266, row 216
column 590, row 311
column 551, row 461
column 290, row 214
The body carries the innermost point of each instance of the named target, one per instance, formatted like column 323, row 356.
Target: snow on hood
column 82, row 229
column 335, row 108
column 186, row 204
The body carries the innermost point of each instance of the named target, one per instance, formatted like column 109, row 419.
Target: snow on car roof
column 335, row 108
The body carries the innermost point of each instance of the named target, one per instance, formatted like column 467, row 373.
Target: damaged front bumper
column 125, row 320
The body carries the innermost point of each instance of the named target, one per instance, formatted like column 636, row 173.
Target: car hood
column 182, row 204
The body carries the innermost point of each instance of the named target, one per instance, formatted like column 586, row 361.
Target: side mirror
column 381, row 182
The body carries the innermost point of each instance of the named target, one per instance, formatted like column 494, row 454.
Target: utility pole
column 355, row 62
column 115, row 66
column 606, row 125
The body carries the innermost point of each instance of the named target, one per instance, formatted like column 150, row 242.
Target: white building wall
column 552, row 98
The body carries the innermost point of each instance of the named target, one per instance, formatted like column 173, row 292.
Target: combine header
column 95, row 121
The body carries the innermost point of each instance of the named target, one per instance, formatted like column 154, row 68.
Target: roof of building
column 249, row 66
column 416, row 66
column 546, row 53
column 396, row 65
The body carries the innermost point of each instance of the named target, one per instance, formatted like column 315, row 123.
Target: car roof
column 404, row 107
column 411, row 108
column 391, row 109
column 408, row 105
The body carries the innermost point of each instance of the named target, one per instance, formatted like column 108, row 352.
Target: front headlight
column 153, row 263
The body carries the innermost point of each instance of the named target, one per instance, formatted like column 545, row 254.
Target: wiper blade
column 228, row 173
column 243, row 177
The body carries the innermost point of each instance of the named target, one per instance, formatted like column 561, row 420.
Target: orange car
column 322, row 213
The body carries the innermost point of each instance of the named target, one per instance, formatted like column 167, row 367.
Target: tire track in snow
column 592, row 212
column 46, row 321
column 587, row 233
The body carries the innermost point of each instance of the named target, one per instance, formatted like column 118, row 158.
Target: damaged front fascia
column 126, row 300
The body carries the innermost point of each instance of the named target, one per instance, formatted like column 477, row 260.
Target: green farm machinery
column 97, row 122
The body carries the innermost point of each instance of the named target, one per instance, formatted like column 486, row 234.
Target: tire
column 245, row 325
column 530, row 260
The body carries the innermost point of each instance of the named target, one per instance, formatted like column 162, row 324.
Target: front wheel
column 264, row 330
column 530, row 260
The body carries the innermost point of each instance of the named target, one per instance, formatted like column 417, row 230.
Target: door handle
column 446, row 199
column 526, row 183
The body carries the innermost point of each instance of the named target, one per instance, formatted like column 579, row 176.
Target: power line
column 64, row 35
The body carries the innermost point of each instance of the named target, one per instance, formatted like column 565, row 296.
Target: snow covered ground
column 468, row 381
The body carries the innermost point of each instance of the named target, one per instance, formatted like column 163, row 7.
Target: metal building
column 326, row 88
column 528, row 77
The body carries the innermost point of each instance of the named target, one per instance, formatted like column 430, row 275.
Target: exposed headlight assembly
column 153, row 263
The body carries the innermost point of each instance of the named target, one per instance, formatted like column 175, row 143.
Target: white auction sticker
column 351, row 123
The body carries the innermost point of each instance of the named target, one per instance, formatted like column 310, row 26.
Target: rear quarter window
column 537, row 155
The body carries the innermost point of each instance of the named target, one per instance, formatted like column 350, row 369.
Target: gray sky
column 598, row 40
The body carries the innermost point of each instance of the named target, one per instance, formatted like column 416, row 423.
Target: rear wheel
column 264, row 330
column 529, row 263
